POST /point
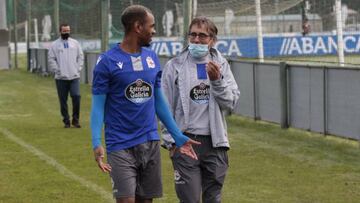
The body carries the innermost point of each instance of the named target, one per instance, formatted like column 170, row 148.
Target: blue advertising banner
column 274, row 45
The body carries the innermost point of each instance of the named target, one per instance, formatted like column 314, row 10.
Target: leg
column 149, row 182
column 125, row 200
column 139, row 200
column 214, row 168
column 133, row 200
column 75, row 95
column 63, row 91
column 123, row 175
column 187, row 178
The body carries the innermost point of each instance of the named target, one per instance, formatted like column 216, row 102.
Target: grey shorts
column 136, row 171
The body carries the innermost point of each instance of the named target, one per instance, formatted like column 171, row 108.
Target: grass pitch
column 267, row 164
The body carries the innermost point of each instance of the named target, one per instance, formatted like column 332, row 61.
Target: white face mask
column 198, row 50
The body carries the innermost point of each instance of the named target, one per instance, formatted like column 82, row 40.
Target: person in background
column 127, row 96
column 306, row 27
column 66, row 60
column 200, row 89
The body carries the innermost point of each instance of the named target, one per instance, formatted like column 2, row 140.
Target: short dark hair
column 209, row 25
column 132, row 14
column 63, row 25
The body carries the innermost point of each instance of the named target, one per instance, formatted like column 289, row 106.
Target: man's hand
column 188, row 150
column 213, row 70
column 99, row 156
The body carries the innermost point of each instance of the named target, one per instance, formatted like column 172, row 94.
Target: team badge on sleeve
column 150, row 62
column 138, row 92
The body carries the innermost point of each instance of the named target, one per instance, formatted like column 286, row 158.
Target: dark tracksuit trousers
column 63, row 88
column 202, row 178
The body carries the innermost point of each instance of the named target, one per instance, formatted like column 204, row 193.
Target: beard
column 146, row 45
column 145, row 41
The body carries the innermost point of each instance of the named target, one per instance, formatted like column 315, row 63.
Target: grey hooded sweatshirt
column 224, row 94
column 66, row 59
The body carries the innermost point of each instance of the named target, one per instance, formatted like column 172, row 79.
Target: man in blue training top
column 127, row 97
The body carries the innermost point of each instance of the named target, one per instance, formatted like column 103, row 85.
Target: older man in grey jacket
column 200, row 88
column 66, row 60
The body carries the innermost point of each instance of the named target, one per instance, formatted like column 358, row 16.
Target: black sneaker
column 75, row 124
column 67, row 125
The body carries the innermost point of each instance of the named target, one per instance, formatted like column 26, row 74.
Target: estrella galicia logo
column 200, row 93
column 138, row 92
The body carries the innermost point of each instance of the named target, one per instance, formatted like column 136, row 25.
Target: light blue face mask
column 198, row 50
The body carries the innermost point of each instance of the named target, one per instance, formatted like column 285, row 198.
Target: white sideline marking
column 14, row 115
column 62, row 169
